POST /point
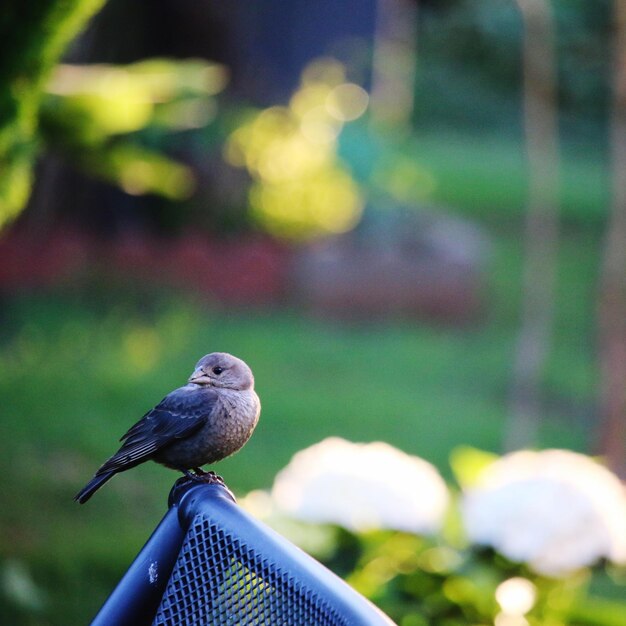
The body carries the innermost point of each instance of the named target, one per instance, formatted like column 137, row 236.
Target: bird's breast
column 228, row 427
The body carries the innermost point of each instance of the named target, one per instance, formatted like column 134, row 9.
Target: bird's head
column 220, row 369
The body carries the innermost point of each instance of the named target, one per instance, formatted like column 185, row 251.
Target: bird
column 205, row 421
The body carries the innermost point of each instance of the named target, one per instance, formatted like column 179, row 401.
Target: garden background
column 409, row 218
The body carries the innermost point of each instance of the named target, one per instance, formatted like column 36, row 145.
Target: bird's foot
column 200, row 476
column 193, row 476
column 213, row 479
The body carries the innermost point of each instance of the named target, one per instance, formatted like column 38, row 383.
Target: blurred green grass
column 485, row 176
column 76, row 370
column 482, row 175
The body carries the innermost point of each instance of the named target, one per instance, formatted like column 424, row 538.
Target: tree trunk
column 612, row 305
column 542, row 228
column 393, row 72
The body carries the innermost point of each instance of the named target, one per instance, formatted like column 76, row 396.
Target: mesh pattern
column 216, row 581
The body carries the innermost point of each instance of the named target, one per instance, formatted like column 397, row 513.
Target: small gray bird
column 203, row 422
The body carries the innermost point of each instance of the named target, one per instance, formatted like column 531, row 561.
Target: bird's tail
column 92, row 486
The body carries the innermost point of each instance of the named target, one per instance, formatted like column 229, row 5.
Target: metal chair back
column 209, row 563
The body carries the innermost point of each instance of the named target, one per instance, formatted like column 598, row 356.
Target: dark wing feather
column 178, row 415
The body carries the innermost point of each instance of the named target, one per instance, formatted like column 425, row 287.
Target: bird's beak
column 199, row 377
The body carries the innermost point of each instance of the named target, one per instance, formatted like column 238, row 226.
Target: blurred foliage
column 467, row 463
column 304, row 159
column 300, row 188
column 94, row 115
column 420, row 581
column 101, row 118
column 469, row 72
column 34, row 34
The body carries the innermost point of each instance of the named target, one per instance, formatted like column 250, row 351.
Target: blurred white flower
column 556, row 510
column 361, row 487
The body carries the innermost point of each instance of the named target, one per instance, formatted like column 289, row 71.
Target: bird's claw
column 200, row 476
column 213, row 479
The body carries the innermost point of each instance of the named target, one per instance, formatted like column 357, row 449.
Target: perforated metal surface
column 216, row 581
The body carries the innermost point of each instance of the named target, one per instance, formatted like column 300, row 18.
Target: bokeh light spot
column 142, row 348
column 347, row 102
column 516, row 596
column 301, row 189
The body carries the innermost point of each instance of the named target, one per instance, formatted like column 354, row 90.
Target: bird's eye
column 218, row 370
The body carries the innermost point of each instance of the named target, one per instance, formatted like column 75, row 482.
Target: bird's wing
column 178, row 415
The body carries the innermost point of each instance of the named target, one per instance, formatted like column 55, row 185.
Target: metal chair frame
column 209, row 562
